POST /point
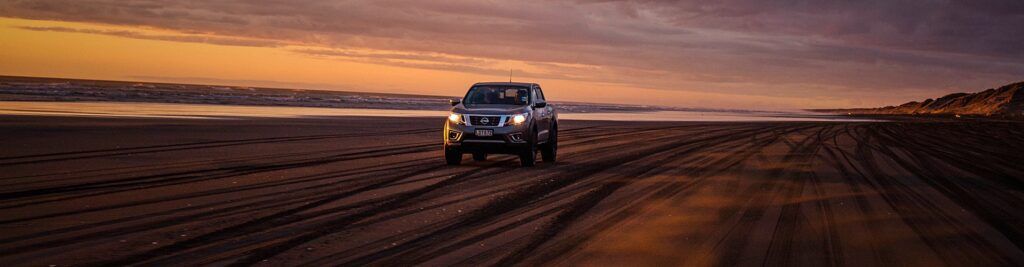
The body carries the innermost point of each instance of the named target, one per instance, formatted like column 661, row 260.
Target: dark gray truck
column 501, row 118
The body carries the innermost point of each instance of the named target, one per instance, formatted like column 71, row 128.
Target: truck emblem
column 484, row 120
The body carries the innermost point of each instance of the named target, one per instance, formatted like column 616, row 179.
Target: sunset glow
column 619, row 52
column 511, row 133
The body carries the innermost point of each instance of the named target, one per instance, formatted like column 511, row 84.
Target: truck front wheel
column 452, row 156
column 549, row 149
column 529, row 154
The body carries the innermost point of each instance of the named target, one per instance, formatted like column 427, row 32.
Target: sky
column 748, row 54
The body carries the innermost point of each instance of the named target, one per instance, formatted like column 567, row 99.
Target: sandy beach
column 361, row 190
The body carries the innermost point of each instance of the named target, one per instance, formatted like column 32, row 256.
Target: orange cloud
column 748, row 54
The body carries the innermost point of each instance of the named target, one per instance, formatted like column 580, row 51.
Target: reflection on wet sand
column 204, row 111
column 193, row 111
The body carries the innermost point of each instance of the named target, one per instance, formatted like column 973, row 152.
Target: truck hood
column 490, row 109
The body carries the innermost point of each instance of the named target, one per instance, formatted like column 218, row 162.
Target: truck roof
column 505, row 84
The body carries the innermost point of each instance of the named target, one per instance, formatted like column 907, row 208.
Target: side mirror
column 540, row 105
column 454, row 101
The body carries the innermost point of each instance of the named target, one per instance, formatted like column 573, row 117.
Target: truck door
column 542, row 114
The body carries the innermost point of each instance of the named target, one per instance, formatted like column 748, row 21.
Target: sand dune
column 1005, row 102
column 358, row 191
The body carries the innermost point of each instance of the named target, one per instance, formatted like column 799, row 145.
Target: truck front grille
column 485, row 120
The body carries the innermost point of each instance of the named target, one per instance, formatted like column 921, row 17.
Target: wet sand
column 359, row 191
column 206, row 111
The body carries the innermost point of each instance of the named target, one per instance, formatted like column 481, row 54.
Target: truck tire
column 452, row 156
column 528, row 157
column 550, row 149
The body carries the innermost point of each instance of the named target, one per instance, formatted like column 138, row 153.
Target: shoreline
column 228, row 111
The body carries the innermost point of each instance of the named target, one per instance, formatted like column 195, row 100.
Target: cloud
column 749, row 47
column 219, row 40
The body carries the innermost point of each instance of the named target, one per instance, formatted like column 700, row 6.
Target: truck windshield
column 498, row 95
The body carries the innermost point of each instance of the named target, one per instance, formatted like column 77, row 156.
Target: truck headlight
column 518, row 118
column 455, row 117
